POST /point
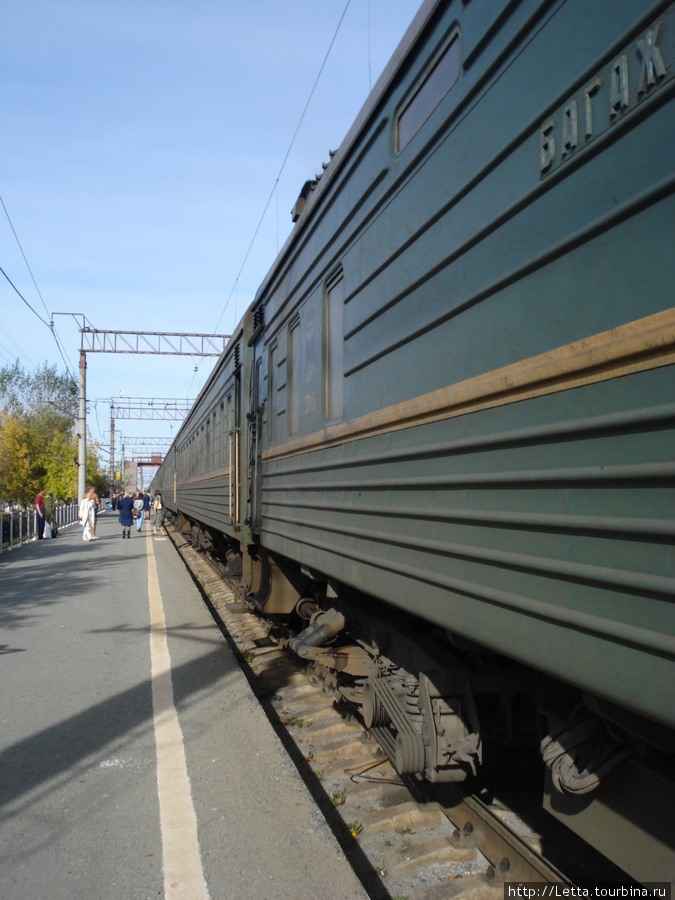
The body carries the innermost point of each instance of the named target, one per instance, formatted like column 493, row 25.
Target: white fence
column 19, row 526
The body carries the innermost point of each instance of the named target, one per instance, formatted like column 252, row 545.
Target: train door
column 255, row 424
column 234, row 413
column 251, row 407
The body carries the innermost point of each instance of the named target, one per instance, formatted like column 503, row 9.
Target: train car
column 456, row 412
column 203, row 474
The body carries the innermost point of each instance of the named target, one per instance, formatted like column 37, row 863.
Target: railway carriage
column 201, row 476
column 442, row 438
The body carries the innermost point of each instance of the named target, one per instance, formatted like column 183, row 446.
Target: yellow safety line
column 183, row 874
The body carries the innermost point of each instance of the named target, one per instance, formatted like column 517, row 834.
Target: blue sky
column 141, row 142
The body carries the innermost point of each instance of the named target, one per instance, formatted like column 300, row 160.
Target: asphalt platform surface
column 113, row 790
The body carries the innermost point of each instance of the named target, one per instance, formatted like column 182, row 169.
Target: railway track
column 404, row 838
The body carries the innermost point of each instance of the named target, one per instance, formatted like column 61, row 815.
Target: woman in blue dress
column 126, row 514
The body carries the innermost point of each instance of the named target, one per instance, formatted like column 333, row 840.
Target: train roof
column 418, row 24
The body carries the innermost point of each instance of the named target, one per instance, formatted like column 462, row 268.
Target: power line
column 61, row 350
column 24, row 255
column 23, row 298
column 49, row 325
column 283, row 164
column 7, row 359
column 22, row 352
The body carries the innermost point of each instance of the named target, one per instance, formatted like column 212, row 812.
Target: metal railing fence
column 17, row 526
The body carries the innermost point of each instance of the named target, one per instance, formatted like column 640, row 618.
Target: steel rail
column 511, row 857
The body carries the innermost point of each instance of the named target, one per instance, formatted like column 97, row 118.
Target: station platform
column 135, row 761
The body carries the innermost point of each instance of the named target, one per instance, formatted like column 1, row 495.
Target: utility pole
column 112, row 454
column 82, row 430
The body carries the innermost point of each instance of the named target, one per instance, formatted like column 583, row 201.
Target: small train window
column 434, row 85
column 334, row 347
column 273, row 395
column 230, row 433
column 222, row 461
column 294, row 357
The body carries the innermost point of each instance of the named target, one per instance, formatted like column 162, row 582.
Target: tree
column 17, row 475
column 26, row 394
column 61, row 459
column 38, row 440
column 61, row 479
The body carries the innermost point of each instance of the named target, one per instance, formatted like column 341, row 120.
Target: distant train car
column 442, row 437
column 203, row 473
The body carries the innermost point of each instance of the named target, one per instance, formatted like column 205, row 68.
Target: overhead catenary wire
column 10, row 337
column 61, row 350
column 283, row 164
column 370, row 70
column 49, row 324
column 7, row 359
column 16, row 237
column 35, row 313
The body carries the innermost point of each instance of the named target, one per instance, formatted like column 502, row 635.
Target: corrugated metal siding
column 549, row 543
column 543, row 528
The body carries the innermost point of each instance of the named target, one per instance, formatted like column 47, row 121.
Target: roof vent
column 301, row 202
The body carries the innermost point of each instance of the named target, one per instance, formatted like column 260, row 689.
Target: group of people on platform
column 132, row 509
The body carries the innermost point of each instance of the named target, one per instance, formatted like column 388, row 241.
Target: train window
column 259, row 395
column 272, row 393
column 294, row 392
column 207, row 454
column 434, row 85
column 334, row 367
column 214, row 440
column 229, row 428
column 221, row 458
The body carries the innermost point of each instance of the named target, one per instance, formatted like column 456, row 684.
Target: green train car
column 441, row 442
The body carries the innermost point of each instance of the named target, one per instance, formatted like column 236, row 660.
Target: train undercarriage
column 446, row 710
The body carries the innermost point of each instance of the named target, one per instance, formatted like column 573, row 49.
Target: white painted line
column 183, row 874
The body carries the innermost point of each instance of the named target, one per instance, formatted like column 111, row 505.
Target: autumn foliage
column 38, row 435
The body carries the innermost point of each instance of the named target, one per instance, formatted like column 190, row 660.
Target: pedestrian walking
column 137, row 510
column 87, row 516
column 158, row 514
column 126, row 514
column 97, row 504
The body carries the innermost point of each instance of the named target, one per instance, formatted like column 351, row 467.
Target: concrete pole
column 112, row 454
column 82, row 430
